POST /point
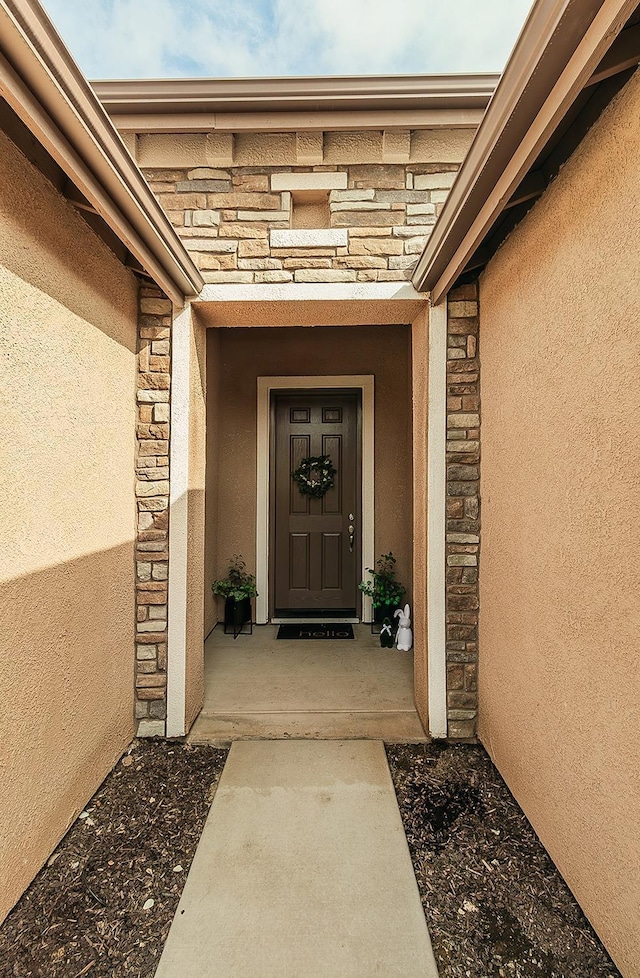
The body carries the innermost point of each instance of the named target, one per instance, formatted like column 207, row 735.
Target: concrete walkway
column 302, row 871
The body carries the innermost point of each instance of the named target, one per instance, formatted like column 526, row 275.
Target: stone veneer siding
column 152, row 496
column 379, row 217
column 463, row 510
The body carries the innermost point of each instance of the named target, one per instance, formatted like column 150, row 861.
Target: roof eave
column 46, row 89
column 295, row 94
column 552, row 61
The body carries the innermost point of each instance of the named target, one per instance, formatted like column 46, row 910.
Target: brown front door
column 316, row 542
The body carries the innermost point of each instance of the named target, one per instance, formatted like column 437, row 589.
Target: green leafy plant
column 383, row 588
column 238, row 584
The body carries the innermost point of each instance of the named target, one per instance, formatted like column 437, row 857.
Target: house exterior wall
column 67, row 349
column 244, row 355
column 245, row 216
column 242, row 204
column 559, row 619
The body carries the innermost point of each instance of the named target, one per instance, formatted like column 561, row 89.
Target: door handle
column 351, row 537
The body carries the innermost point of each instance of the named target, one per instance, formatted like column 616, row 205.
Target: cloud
column 222, row 38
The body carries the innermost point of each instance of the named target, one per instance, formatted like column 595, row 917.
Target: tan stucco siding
column 67, row 397
column 560, row 602
column 212, row 480
column 245, row 354
column 196, row 523
column 420, row 421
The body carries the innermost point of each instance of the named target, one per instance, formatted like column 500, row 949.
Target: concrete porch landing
column 303, row 869
column 259, row 687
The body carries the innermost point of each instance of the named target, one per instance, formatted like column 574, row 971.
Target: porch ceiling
column 309, row 305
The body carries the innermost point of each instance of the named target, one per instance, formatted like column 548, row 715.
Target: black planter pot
column 385, row 611
column 236, row 615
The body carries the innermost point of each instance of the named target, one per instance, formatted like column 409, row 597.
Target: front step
column 402, row 726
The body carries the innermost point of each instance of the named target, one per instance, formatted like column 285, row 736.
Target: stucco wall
column 244, row 355
column 196, row 516
column 67, row 396
column 211, row 484
column 420, row 422
column 560, row 602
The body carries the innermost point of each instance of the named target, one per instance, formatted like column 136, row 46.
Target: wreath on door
column 315, row 476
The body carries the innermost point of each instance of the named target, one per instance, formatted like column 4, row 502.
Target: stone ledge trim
column 308, row 181
column 310, row 237
column 433, row 181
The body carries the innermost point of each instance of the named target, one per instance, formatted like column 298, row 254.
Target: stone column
column 152, row 496
column 463, row 510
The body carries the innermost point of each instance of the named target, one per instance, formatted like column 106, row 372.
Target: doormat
column 316, row 630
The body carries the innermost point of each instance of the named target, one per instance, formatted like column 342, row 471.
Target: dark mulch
column 494, row 902
column 84, row 914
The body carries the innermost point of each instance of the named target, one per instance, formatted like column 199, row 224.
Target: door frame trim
column 364, row 383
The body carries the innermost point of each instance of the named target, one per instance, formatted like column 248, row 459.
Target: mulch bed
column 103, row 904
column 494, row 902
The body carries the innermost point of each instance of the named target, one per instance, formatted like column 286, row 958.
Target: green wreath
column 314, row 475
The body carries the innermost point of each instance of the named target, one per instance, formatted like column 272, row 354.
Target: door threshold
column 323, row 620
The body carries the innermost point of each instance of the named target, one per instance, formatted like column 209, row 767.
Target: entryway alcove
column 257, row 685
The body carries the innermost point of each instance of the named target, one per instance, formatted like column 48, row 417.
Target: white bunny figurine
column 404, row 638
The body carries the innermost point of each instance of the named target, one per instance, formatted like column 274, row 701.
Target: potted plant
column 385, row 591
column 237, row 589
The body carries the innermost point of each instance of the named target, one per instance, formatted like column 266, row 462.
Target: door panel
column 331, row 561
column 332, row 446
column 314, row 567
column 299, row 578
column 300, row 448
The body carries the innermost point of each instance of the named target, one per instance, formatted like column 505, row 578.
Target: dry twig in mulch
column 103, row 904
column 494, row 902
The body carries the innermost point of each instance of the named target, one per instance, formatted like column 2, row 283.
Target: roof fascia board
column 458, row 233
column 30, row 112
column 47, row 91
column 333, row 121
column 248, row 95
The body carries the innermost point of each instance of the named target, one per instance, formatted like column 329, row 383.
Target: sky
column 251, row 38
